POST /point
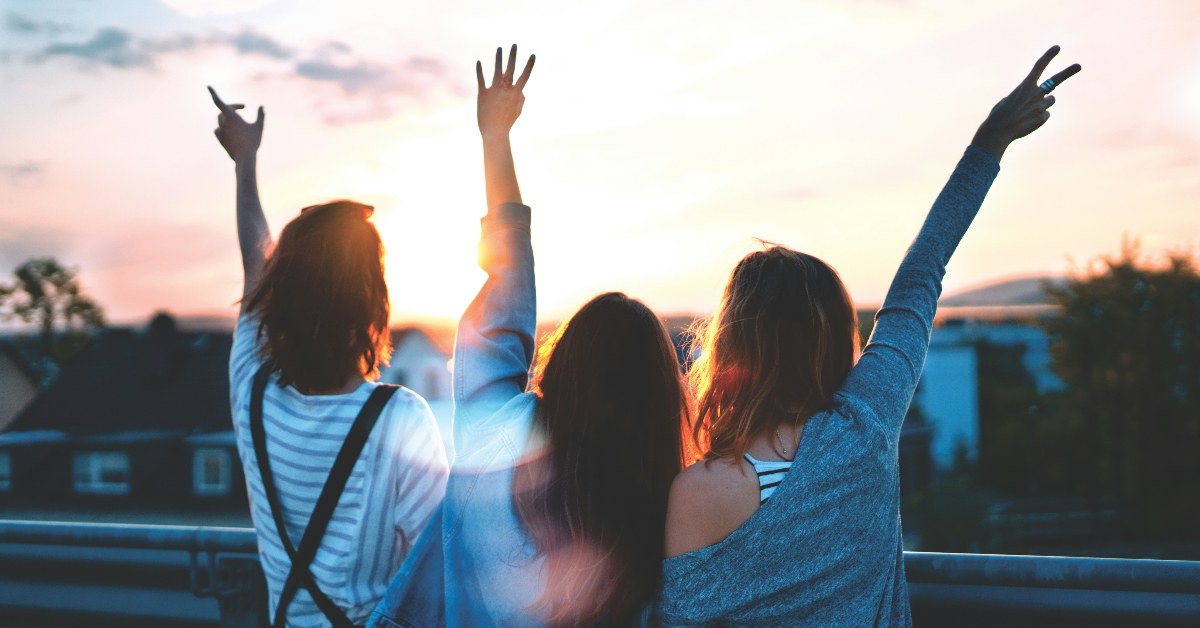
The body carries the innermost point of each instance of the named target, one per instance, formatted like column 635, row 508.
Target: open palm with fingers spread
column 1022, row 111
column 500, row 105
column 239, row 138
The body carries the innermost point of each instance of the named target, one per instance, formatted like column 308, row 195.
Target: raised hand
column 239, row 138
column 499, row 106
column 1024, row 110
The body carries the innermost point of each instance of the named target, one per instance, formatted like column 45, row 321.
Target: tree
column 1009, row 405
column 1128, row 347
column 46, row 293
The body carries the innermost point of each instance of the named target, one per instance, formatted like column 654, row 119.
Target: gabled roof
column 159, row 378
column 38, row 369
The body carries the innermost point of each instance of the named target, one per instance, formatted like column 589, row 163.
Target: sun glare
column 431, row 270
column 428, row 212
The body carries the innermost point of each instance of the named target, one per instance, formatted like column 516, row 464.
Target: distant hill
column 1025, row 291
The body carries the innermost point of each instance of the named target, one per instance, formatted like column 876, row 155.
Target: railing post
column 238, row 585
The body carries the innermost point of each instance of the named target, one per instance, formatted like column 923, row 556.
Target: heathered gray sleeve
column 886, row 375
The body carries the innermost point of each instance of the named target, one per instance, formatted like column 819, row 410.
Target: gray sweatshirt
column 826, row 549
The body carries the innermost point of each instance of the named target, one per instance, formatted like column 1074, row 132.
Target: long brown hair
column 322, row 301
column 613, row 407
column 779, row 345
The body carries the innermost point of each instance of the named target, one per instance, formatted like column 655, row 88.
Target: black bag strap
column 301, row 558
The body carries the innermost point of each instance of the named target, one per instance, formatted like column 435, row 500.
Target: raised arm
column 497, row 109
column 495, row 342
column 886, row 375
column 241, row 140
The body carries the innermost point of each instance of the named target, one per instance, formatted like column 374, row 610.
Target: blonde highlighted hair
column 782, row 341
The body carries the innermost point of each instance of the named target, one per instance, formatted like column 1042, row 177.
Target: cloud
column 377, row 86
column 249, row 42
column 109, row 46
column 333, row 47
column 22, row 171
column 120, row 49
column 352, row 78
column 409, row 78
column 20, row 24
column 178, row 43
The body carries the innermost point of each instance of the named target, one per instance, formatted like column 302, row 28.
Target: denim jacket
column 474, row 565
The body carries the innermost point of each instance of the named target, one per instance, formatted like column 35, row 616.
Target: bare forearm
column 254, row 236
column 499, row 172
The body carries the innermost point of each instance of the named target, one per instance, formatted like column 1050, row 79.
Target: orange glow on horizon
column 655, row 142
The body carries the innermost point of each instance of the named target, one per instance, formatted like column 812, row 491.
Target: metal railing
column 115, row 569
column 124, row 563
column 998, row 590
column 158, row 537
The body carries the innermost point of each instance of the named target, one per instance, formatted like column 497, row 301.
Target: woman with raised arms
column 557, row 497
column 342, row 473
column 793, row 518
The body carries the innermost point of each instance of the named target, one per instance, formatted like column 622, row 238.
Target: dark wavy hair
column 614, row 407
column 321, row 301
column 782, row 341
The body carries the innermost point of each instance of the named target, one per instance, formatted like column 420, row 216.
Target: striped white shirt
column 398, row 480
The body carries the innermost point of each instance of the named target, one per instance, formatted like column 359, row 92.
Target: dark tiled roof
column 159, row 378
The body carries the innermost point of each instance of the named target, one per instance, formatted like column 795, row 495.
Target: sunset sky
column 658, row 139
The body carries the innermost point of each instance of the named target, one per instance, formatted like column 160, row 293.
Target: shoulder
column 412, row 432
column 245, row 353
column 407, row 412
column 708, row 501
column 406, row 402
column 709, row 478
column 245, row 330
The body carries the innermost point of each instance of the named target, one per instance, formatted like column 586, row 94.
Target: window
column 212, row 470
column 101, row 472
column 5, row 472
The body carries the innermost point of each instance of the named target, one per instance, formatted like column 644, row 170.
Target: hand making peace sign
column 1022, row 111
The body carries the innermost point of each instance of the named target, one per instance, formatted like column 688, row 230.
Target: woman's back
column 555, row 505
column 815, row 551
column 392, row 489
column 826, row 548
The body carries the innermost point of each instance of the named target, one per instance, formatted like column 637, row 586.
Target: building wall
column 1037, row 359
column 948, row 398
column 948, row 395
column 419, row 365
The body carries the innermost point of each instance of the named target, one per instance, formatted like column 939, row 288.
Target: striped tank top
column 770, row 474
